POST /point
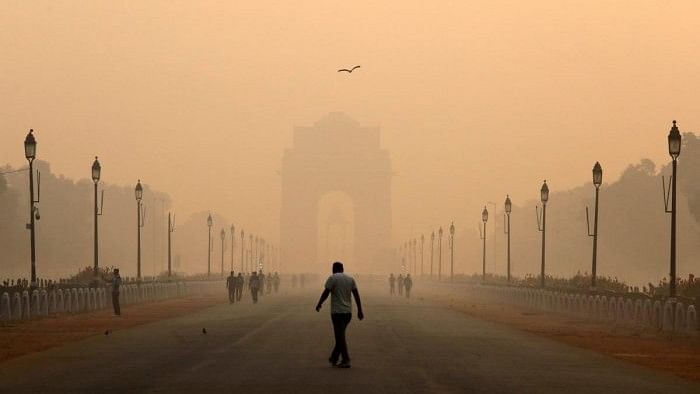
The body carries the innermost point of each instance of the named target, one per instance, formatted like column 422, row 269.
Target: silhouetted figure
column 392, row 284
column 231, row 286
column 254, row 285
column 276, row 280
column 239, row 286
column 268, row 284
column 407, row 284
column 261, row 278
column 116, row 285
column 400, row 283
column 339, row 286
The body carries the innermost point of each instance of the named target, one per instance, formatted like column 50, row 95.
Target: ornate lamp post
column 209, row 224
column 422, row 244
column 432, row 252
column 96, row 172
column 223, row 240
column 440, row 253
column 171, row 229
column 30, row 154
column 255, row 254
column 138, row 192
column 415, row 255
column 597, row 181
column 250, row 253
column 242, row 251
column 404, row 255
column 674, row 150
column 233, row 243
column 542, row 226
column 452, row 251
column 484, row 218
column 508, row 209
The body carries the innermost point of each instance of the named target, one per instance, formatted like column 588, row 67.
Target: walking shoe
column 344, row 364
column 334, row 363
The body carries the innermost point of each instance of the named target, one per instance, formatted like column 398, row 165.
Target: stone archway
column 336, row 154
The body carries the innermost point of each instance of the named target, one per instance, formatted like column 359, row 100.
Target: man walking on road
column 254, row 284
column 408, row 283
column 392, row 284
column 261, row 285
column 231, row 286
column 339, row 286
column 239, row 286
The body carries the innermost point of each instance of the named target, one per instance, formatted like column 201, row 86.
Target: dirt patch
column 679, row 355
column 24, row 337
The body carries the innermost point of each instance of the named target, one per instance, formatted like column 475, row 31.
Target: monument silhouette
column 336, row 154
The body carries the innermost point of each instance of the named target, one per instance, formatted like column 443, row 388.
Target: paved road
column 281, row 345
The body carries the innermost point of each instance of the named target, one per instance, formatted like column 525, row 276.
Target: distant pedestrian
column 276, row 282
column 339, row 286
column 254, row 285
column 392, row 284
column 231, row 286
column 116, row 286
column 239, row 286
column 261, row 278
column 268, row 284
column 407, row 284
column 400, row 283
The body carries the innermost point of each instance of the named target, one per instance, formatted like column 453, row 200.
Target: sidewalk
column 18, row 338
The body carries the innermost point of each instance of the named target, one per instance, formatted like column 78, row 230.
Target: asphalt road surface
column 282, row 345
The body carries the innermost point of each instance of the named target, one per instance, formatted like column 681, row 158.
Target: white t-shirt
column 341, row 287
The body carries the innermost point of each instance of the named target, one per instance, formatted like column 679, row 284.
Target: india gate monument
column 336, row 154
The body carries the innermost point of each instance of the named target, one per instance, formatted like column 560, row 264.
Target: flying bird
column 350, row 70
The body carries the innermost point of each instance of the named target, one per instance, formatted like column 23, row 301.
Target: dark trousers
column 115, row 304
column 239, row 293
column 254, row 293
column 231, row 295
column 340, row 323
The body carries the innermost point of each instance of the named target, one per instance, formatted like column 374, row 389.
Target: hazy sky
column 475, row 99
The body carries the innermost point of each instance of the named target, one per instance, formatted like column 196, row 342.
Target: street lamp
column 30, row 154
column 255, row 254
column 250, row 253
column 233, row 243
column 508, row 209
column 171, row 229
column 674, row 150
column 223, row 239
column 96, row 172
column 597, row 181
column 484, row 218
column 440, row 253
column 422, row 244
column 415, row 255
column 209, row 224
column 140, row 216
column 542, row 226
column 432, row 252
column 452, row 251
column 242, row 250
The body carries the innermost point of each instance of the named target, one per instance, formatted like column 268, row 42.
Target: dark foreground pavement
column 281, row 345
